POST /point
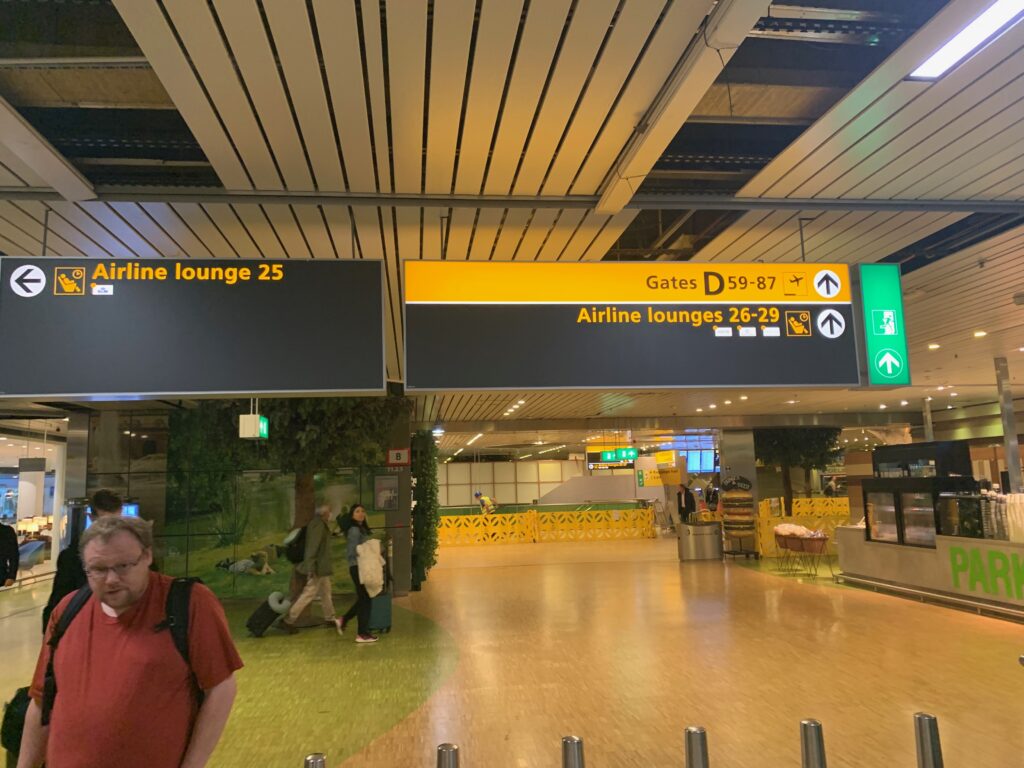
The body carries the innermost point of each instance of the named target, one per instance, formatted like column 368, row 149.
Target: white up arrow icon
column 889, row 361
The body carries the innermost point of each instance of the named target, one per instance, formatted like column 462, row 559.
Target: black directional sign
column 166, row 327
column 489, row 325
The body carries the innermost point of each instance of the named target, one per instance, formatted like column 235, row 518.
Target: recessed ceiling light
column 980, row 334
column 934, row 346
column 743, row 397
column 700, row 410
column 904, row 402
column 1021, row 349
column 728, row 402
column 928, row 399
column 969, row 39
column 127, row 431
column 949, row 407
column 883, row 406
column 712, row 406
column 953, row 394
column 791, row 402
column 521, row 402
column 940, row 389
column 474, row 439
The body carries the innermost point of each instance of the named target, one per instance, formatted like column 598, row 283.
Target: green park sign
column 990, row 572
column 885, row 332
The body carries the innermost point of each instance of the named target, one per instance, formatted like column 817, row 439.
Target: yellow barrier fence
column 532, row 526
column 818, row 506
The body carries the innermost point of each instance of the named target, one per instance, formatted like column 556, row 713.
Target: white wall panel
column 505, row 472
column 459, row 496
column 459, row 473
column 505, row 493
column 482, row 472
column 527, row 472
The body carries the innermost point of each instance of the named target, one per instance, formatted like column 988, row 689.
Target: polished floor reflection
column 620, row 644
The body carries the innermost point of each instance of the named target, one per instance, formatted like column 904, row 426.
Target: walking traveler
column 8, row 555
column 317, row 568
column 357, row 531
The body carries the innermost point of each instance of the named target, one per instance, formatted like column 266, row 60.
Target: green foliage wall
column 425, row 512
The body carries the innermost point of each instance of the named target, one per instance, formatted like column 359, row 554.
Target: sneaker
column 366, row 638
column 339, row 624
column 290, row 629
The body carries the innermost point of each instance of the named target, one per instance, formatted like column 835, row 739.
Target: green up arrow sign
column 882, row 297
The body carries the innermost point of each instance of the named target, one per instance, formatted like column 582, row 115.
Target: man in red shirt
column 126, row 696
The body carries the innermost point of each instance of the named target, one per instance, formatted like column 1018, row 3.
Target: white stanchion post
column 316, row 760
column 448, row 756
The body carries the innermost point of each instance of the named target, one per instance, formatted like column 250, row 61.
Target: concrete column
column 929, row 426
column 1012, row 447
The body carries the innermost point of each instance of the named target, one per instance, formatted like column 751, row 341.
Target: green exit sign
column 625, row 454
column 885, row 333
column 608, row 456
column 264, row 428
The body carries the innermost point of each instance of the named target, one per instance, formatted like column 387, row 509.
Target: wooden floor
column 621, row 645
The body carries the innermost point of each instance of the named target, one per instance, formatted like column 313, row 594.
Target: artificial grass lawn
column 318, row 692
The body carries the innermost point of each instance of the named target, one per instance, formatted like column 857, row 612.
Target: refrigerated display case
column 906, row 510
column 960, row 514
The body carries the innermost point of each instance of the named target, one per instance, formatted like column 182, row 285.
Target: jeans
column 361, row 607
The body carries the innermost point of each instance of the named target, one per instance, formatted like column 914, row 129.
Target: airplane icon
column 794, row 284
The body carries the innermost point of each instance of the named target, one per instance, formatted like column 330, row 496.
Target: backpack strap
column 179, row 597
column 74, row 607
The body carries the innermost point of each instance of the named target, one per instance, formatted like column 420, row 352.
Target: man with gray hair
column 131, row 690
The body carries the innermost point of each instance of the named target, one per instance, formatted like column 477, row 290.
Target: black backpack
column 295, row 546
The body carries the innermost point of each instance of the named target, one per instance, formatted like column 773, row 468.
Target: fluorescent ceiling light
column 934, row 346
column 969, row 39
column 473, row 440
column 982, row 334
column 743, row 397
column 904, row 402
column 458, row 451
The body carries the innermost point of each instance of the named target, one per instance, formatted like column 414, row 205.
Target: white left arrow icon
column 28, row 281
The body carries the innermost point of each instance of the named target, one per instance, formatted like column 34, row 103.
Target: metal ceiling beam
column 112, row 194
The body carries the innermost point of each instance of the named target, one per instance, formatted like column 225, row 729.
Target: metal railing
column 695, row 744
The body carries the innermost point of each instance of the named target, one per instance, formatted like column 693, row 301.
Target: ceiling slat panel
column 673, row 36
column 971, row 175
column 340, row 223
column 368, row 227
column 293, row 37
column 8, row 246
column 149, row 229
column 259, row 229
column 433, row 227
column 499, row 23
column 17, row 166
column 590, row 22
column 560, row 234
column 540, row 226
column 910, row 230
column 33, row 227
column 485, row 233
column 374, row 56
column 173, row 224
column 336, row 20
column 631, row 31
column 231, row 227
column 315, row 230
column 784, row 243
column 393, row 308
column 541, row 33
column 607, row 237
column 90, row 227
column 407, row 63
column 197, row 220
column 946, row 23
column 150, row 30
column 511, row 232
column 59, row 225
column 830, row 231
column 8, row 178
column 24, row 244
column 459, row 233
column 250, row 45
column 449, row 58
column 589, row 228
column 108, row 217
column 287, row 230
column 915, row 152
column 744, row 235
column 408, row 222
column 198, row 31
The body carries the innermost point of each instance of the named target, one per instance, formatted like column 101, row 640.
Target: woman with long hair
column 357, row 530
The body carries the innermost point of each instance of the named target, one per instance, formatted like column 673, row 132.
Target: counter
column 980, row 573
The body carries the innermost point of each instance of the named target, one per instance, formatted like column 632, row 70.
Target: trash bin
column 700, row 541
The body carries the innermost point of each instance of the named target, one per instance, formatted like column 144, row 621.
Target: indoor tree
column 787, row 447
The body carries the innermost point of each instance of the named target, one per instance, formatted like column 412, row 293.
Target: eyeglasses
column 120, row 570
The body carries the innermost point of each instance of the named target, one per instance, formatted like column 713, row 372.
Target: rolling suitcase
column 380, row 612
column 270, row 610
